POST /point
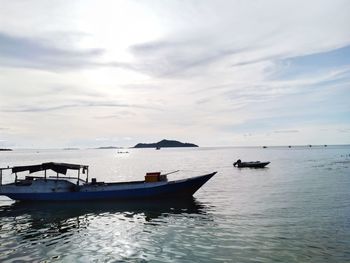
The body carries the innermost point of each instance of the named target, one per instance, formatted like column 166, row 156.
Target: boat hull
column 252, row 164
column 173, row 189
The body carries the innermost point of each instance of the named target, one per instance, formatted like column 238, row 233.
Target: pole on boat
column 87, row 174
column 78, row 176
column 15, row 177
column 45, row 174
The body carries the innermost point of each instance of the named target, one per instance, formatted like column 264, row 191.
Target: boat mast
column 87, row 175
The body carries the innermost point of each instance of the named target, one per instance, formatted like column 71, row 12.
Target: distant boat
column 264, row 147
column 5, row 149
column 63, row 188
column 119, row 152
column 158, row 148
column 256, row 164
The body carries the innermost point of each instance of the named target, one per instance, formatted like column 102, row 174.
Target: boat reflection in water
column 55, row 224
column 151, row 209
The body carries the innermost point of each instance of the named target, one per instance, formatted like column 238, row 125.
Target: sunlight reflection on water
column 119, row 230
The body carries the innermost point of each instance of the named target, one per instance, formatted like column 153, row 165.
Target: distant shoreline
column 221, row 146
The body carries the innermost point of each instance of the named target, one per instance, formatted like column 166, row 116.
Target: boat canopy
column 57, row 167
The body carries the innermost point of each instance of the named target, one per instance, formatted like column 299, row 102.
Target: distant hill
column 3, row 149
column 108, row 147
column 165, row 144
column 70, row 149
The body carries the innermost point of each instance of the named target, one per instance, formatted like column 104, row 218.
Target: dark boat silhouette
column 256, row 164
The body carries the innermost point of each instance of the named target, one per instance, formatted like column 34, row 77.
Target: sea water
column 295, row 210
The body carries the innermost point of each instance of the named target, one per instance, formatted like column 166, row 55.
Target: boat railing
column 68, row 177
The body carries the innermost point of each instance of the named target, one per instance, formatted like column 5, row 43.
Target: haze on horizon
column 213, row 73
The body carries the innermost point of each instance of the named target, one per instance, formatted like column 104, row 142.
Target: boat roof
column 57, row 167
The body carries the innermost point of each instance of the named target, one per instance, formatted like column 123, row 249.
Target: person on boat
column 237, row 163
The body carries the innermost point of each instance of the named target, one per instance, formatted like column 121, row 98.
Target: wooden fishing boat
column 256, row 164
column 65, row 188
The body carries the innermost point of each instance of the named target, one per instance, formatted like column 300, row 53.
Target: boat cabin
column 59, row 168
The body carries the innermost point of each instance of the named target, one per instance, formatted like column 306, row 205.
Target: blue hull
column 175, row 189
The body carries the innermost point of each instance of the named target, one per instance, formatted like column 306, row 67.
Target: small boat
column 120, row 152
column 66, row 188
column 157, row 148
column 257, row 164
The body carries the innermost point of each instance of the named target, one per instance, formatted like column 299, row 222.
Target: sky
column 215, row 73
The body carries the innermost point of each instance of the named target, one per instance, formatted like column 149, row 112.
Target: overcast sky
column 233, row 73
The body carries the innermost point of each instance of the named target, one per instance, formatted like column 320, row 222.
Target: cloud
column 217, row 37
column 171, row 57
column 196, row 57
column 120, row 115
column 39, row 53
column 70, row 90
column 240, row 93
column 287, row 131
column 81, row 104
column 344, row 130
column 205, row 69
column 179, row 59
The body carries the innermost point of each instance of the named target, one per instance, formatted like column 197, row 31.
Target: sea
column 297, row 209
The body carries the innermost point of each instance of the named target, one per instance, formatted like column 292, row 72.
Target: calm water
column 296, row 210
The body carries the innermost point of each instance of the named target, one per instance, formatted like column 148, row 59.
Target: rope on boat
column 172, row 172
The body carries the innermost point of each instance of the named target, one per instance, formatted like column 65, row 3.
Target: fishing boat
column 67, row 188
column 256, row 164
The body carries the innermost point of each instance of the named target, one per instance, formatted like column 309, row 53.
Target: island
column 70, row 149
column 107, row 147
column 164, row 144
column 5, row 149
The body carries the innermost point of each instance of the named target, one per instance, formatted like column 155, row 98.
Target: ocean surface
column 295, row 210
